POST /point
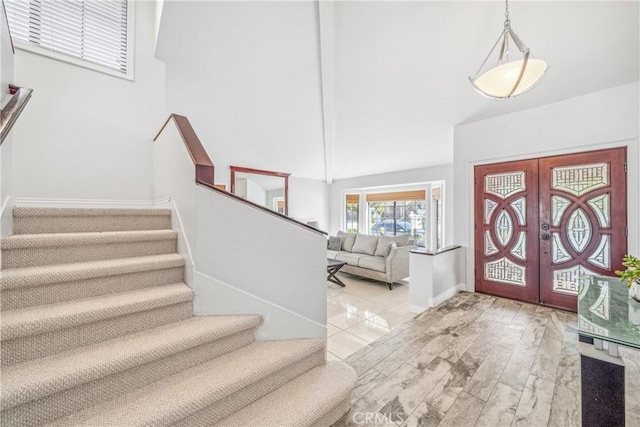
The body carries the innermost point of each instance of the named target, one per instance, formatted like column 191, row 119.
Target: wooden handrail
column 204, row 168
column 199, row 156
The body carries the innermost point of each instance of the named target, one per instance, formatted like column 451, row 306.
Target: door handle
column 545, row 236
column 545, row 226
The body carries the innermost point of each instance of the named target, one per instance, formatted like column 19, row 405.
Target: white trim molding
column 6, row 217
column 449, row 293
column 216, row 297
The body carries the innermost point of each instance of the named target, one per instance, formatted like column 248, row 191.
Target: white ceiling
column 394, row 73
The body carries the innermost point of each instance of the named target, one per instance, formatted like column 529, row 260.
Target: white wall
column 247, row 74
column 6, row 188
column 598, row 120
column 241, row 260
column 85, row 134
column 6, row 60
column 173, row 188
column 309, row 201
column 255, row 193
column 434, row 278
column 436, row 173
column 6, row 77
column 248, row 261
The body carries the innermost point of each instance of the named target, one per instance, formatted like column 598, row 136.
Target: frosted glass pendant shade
column 510, row 77
column 504, row 81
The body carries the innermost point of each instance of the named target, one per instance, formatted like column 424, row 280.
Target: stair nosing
column 15, row 326
column 35, row 212
column 167, row 344
column 210, row 373
column 48, row 240
column 15, row 278
column 331, row 399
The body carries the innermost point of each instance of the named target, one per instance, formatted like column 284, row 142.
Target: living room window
column 94, row 34
column 398, row 214
column 352, row 213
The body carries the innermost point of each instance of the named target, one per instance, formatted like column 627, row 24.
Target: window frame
column 430, row 219
column 395, row 204
column 346, row 204
column 129, row 75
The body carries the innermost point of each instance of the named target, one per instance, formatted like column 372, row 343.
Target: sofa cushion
column 334, row 243
column 348, row 239
column 349, row 258
column 332, row 254
column 373, row 263
column 365, row 244
column 383, row 243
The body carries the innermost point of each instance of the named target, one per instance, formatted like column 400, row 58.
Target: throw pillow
column 401, row 240
column 334, row 243
column 348, row 239
column 384, row 241
column 365, row 244
column 391, row 246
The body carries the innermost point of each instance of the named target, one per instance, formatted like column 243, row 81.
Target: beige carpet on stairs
column 97, row 330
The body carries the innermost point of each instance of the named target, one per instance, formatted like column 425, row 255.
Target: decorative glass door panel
column 507, row 251
column 542, row 224
column 582, row 221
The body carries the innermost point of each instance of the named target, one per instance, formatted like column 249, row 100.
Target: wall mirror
column 265, row 188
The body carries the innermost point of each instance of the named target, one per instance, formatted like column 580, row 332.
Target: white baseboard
column 87, row 203
column 184, row 248
column 416, row 309
column 436, row 301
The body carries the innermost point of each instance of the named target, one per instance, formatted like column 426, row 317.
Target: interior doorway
column 541, row 224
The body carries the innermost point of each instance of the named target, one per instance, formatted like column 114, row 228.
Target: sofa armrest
column 398, row 263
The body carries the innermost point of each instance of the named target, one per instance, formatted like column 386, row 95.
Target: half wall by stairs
column 97, row 329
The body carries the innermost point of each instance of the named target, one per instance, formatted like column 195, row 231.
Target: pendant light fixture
column 511, row 76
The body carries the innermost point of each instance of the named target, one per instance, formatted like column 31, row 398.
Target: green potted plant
column 631, row 275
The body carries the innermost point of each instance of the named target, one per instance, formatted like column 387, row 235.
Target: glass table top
column 605, row 311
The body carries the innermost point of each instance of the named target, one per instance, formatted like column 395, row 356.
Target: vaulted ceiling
column 333, row 90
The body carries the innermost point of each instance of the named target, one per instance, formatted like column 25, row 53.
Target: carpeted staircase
column 97, row 330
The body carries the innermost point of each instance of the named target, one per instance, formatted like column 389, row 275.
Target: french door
column 542, row 224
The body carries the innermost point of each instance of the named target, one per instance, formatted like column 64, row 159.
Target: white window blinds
column 94, row 31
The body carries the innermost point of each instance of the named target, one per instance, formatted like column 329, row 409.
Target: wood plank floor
column 477, row 360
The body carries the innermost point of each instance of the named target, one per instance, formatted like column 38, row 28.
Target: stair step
column 319, row 397
column 213, row 390
column 40, row 285
column 30, row 220
column 40, row 390
column 39, row 331
column 27, row 250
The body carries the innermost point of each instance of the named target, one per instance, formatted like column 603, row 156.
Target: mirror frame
column 235, row 169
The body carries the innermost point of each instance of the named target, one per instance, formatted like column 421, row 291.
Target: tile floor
column 475, row 360
column 362, row 312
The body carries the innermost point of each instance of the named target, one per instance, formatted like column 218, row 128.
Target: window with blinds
column 92, row 33
column 352, row 212
column 398, row 213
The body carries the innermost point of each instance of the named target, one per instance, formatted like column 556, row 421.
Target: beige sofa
column 374, row 257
